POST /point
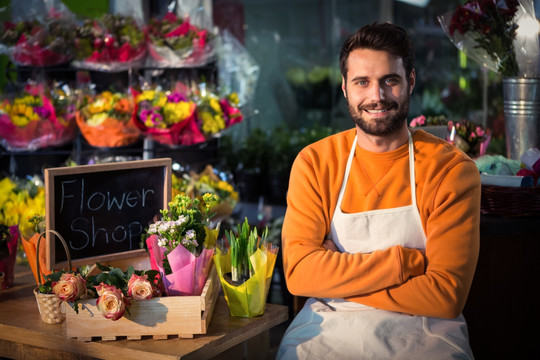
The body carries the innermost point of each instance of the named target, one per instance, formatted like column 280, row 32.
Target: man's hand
column 329, row 245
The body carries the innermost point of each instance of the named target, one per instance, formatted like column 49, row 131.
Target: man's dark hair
column 379, row 36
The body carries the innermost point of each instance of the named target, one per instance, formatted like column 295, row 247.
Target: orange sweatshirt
column 397, row 279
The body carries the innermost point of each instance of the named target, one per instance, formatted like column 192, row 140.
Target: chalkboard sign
column 102, row 210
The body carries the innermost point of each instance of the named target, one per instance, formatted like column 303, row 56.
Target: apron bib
column 341, row 329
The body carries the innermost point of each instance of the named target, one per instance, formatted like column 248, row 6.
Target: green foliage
column 244, row 243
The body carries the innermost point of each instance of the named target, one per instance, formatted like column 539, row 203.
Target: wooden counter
column 24, row 336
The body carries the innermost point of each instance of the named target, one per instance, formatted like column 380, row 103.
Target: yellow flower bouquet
column 195, row 185
column 37, row 117
column 19, row 201
column 168, row 117
column 105, row 119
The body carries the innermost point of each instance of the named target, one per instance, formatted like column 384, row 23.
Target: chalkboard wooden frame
column 159, row 170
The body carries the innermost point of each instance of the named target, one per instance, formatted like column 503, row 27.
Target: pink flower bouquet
column 32, row 43
column 36, row 118
column 181, row 245
column 175, row 42
column 110, row 43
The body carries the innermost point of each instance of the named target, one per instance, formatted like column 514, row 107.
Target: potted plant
column 245, row 269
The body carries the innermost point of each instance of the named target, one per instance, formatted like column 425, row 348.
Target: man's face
column 377, row 91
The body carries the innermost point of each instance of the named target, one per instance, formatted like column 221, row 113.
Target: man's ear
column 412, row 81
column 343, row 86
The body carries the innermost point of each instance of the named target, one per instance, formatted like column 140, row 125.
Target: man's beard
column 382, row 126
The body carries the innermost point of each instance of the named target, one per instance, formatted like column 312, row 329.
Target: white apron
column 341, row 329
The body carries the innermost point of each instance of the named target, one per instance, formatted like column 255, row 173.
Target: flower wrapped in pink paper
column 181, row 245
column 37, row 117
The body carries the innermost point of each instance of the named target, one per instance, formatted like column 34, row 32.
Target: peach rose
column 111, row 302
column 69, row 287
column 139, row 288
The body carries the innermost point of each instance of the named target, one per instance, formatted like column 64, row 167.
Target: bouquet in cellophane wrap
column 36, row 117
column 177, row 42
column 104, row 118
column 167, row 115
column 181, row 245
column 245, row 270
column 501, row 35
column 42, row 36
column 113, row 43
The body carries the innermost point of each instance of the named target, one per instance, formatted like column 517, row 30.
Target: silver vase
column 521, row 114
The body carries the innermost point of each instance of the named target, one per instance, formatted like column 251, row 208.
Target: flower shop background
column 297, row 97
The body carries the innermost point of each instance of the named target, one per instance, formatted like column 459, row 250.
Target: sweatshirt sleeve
column 310, row 270
column 453, row 240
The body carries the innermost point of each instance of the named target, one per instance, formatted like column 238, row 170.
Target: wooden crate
column 181, row 316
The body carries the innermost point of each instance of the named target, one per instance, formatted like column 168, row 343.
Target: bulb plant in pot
column 245, row 269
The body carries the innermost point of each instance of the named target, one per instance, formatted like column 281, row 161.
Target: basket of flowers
column 104, row 119
column 36, row 117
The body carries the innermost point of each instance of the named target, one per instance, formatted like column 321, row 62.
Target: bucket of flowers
column 245, row 269
column 37, row 117
column 176, row 42
column 104, row 119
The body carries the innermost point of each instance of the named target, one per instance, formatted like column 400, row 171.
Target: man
column 382, row 226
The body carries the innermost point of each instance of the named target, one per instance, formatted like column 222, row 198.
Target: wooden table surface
column 24, row 335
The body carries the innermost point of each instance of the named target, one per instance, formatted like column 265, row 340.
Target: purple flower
column 176, row 97
column 43, row 112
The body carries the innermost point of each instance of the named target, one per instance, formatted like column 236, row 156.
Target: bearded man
column 382, row 224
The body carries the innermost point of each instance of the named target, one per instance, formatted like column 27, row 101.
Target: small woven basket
column 508, row 201
column 49, row 305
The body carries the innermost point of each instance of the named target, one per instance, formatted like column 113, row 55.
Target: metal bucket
column 521, row 114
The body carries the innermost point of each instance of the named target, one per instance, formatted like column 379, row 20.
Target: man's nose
column 376, row 92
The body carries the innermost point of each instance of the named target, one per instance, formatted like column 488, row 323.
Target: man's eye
column 391, row 81
column 361, row 82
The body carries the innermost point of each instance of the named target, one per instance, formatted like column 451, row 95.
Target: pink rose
column 418, row 121
column 70, row 287
column 139, row 288
column 110, row 302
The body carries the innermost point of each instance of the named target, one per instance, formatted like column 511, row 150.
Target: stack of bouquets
column 112, row 42
column 181, row 245
column 104, row 119
column 175, row 42
column 195, row 185
column 35, row 43
column 167, row 116
column 37, row 117
column 245, row 270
